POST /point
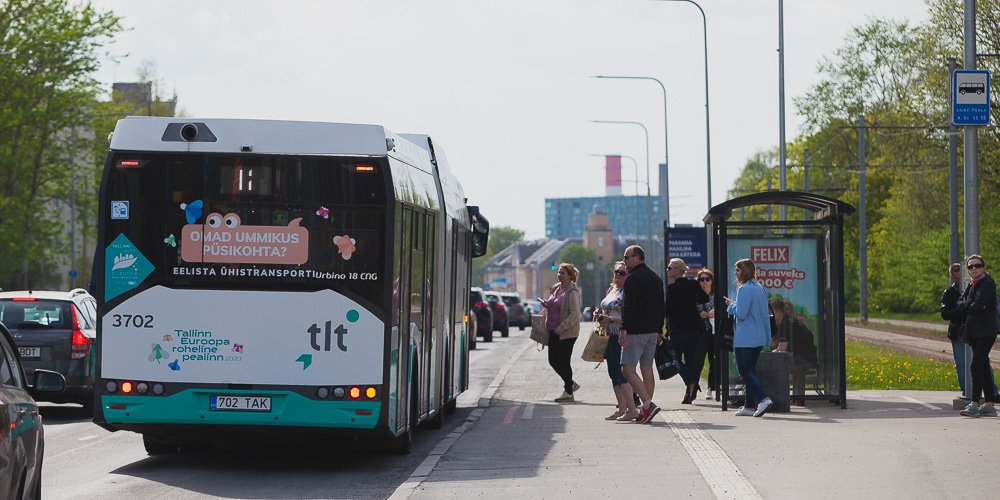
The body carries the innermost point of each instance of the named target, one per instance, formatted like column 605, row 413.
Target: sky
column 505, row 88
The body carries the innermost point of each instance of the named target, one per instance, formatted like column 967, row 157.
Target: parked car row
column 498, row 311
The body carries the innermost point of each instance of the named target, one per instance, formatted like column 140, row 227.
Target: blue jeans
column 746, row 364
column 958, row 350
column 613, row 356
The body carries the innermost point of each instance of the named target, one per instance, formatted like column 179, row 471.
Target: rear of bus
column 242, row 280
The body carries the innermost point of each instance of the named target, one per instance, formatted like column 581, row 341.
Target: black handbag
column 667, row 364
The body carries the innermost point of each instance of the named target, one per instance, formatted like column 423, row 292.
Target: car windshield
column 48, row 314
column 475, row 297
column 511, row 300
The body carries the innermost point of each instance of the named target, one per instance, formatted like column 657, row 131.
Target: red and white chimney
column 612, row 175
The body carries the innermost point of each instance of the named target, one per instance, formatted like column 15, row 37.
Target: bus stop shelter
column 800, row 263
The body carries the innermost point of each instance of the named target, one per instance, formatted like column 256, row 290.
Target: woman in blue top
column 753, row 331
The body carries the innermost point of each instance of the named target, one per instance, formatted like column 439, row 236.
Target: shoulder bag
column 538, row 332
column 597, row 344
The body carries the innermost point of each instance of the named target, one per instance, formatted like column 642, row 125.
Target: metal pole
column 805, row 182
column 781, row 99
column 863, row 233
column 970, row 153
column 953, row 248
column 708, row 128
column 72, row 212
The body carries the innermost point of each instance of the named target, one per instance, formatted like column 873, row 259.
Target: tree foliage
column 47, row 89
column 895, row 74
column 500, row 237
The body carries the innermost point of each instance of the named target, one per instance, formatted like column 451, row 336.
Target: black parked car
column 499, row 313
column 484, row 314
column 517, row 314
column 22, row 439
column 55, row 331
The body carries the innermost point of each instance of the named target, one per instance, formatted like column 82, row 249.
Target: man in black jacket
column 951, row 312
column 687, row 329
column 642, row 324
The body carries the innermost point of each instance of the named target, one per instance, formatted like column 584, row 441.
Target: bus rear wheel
column 156, row 446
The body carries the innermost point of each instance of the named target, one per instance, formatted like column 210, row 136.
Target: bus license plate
column 30, row 352
column 239, row 403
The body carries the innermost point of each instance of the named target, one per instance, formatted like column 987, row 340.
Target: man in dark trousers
column 687, row 329
column 642, row 324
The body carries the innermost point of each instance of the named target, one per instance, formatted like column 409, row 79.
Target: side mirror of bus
column 480, row 232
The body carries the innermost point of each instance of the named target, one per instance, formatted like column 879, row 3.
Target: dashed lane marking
column 528, row 411
column 714, row 464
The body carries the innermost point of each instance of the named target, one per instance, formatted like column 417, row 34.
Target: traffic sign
column 970, row 97
column 72, row 273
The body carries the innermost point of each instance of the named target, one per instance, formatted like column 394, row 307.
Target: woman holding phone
column 563, row 323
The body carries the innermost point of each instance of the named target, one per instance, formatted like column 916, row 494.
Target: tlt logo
column 314, row 331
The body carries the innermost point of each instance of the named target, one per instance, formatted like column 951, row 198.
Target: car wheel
column 488, row 336
column 505, row 331
column 88, row 404
column 472, row 342
column 156, row 446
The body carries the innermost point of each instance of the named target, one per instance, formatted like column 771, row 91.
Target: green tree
column 46, row 88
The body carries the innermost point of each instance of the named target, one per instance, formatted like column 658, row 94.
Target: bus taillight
column 371, row 393
column 126, row 387
column 355, row 392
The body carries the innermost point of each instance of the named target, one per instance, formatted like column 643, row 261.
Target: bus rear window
column 269, row 222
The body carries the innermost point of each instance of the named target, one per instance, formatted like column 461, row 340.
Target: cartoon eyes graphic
column 345, row 245
column 170, row 240
column 175, row 366
column 323, row 212
column 192, row 211
column 214, row 220
column 237, row 347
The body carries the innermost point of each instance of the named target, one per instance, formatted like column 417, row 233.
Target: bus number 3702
column 132, row 320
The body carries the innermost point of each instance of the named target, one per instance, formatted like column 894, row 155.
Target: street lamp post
column 649, row 214
column 708, row 134
column 666, row 147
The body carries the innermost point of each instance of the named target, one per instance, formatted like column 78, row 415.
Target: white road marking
column 719, row 471
column 87, row 438
column 528, row 411
column 427, row 466
column 921, row 403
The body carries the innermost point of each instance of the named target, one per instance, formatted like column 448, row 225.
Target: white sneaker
column 565, row 398
column 746, row 411
column 708, row 394
column 763, row 406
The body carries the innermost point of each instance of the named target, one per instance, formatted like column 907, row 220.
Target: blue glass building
column 567, row 217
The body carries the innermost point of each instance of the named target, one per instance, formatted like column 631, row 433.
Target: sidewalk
column 887, row 444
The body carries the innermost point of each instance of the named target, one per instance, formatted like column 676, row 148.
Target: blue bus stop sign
column 970, row 97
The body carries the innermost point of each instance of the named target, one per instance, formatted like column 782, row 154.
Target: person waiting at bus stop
column 563, row 323
column 686, row 327
column 793, row 336
column 979, row 304
column 751, row 333
column 955, row 316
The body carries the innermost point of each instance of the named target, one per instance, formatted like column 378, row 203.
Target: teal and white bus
column 276, row 278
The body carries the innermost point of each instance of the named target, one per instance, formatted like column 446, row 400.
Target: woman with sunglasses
column 610, row 317
column 706, row 278
column 979, row 303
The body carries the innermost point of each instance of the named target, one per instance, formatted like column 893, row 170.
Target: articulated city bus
column 306, row 278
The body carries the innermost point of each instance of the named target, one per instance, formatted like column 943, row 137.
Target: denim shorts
column 641, row 349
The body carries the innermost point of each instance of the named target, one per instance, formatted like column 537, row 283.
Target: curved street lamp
column 649, row 211
column 708, row 134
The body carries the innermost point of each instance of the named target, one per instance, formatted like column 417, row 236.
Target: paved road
column 83, row 461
